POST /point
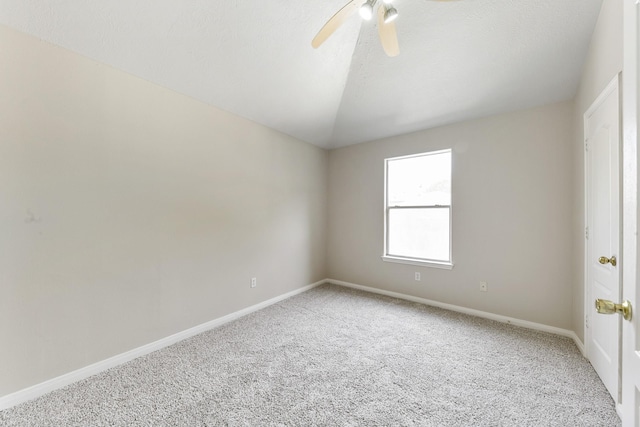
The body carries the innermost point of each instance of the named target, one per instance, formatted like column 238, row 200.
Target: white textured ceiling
column 458, row 60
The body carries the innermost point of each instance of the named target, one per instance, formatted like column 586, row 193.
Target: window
column 418, row 209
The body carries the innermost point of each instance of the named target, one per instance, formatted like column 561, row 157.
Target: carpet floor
column 334, row 356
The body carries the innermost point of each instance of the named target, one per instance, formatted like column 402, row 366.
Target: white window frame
column 401, row 259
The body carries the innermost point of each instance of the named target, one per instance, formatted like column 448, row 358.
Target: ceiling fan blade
column 335, row 22
column 388, row 35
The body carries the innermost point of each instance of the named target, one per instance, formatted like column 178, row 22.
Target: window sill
column 434, row 264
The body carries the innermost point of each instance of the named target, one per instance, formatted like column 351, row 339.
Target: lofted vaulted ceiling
column 458, row 60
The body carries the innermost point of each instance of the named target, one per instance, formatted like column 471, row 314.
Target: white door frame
column 589, row 300
column 630, row 369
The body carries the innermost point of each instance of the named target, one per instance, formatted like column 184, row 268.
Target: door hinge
column 586, row 145
column 586, row 321
column 586, row 233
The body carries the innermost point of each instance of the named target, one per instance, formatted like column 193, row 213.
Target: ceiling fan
column 386, row 27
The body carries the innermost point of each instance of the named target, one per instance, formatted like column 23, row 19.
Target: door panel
column 602, row 137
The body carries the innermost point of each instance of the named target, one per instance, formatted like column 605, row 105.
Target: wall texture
column 512, row 201
column 129, row 212
column 604, row 62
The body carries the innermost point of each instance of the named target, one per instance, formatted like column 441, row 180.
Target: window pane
column 421, row 180
column 419, row 233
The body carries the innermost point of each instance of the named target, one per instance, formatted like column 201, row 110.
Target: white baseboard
column 579, row 343
column 470, row 311
column 82, row 373
column 38, row 390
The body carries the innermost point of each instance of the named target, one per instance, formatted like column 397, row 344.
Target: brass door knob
column 605, row 260
column 604, row 306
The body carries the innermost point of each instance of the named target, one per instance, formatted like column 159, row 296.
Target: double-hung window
column 418, row 209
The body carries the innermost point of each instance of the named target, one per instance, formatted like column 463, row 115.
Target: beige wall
column 129, row 212
column 512, row 200
column 603, row 62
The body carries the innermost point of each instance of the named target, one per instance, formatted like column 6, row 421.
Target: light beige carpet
column 338, row 357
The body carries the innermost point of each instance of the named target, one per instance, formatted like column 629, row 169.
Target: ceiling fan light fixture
column 387, row 1
column 390, row 14
column 366, row 10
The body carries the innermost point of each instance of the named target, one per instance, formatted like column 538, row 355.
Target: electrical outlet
column 484, row 287
column 417, row 276
column 254, row 282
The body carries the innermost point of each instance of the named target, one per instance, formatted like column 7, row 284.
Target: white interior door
column 630, row 372
column 602, row 144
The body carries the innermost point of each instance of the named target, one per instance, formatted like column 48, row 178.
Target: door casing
column 629, row 407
